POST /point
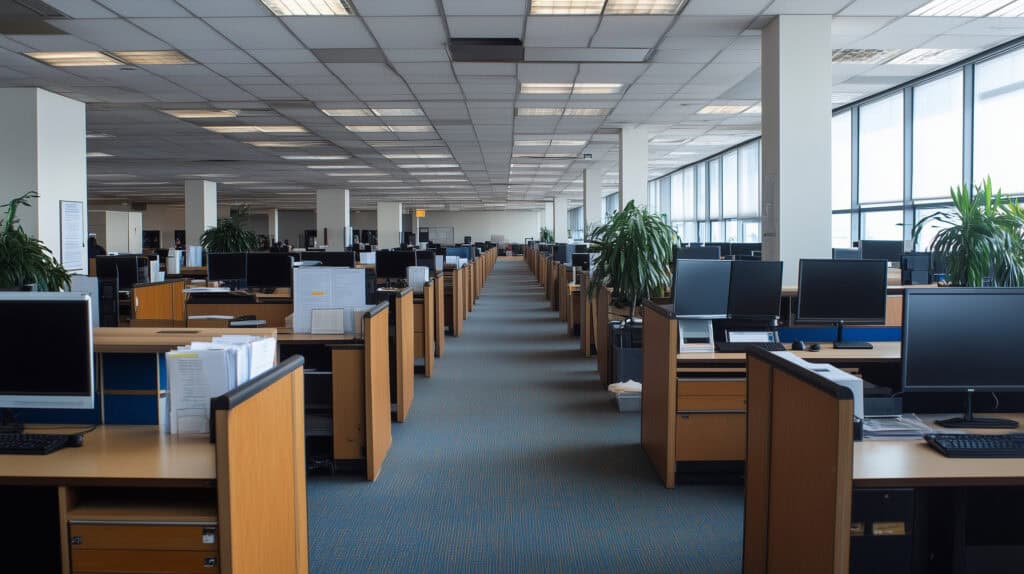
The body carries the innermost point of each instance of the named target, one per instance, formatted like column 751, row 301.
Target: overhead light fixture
column 641, row 7
column 361, row 174
column 566, row 7
column 544, row 155
column 862, row 56
column 257, row 129
column 754, row 109
column 428, row 165
column 964, row 8
column 574, row 112
column 575, row 88
column 308, row 7
column 95, row 154
column 133, row 183
column 432, row 173
column 328, row 166
column 397, row 112
column 314, row 157
column 1013, row 10
column 287, row 143
column 153, row 57
column 375, row 181
column 418, row 155
column 201, row 114
column 724, row 109
column 74, row 59
column 96, row 135
column 928, row 57
column 347, row 112
column 442, row 180
column 389, row 129
column 539, row 111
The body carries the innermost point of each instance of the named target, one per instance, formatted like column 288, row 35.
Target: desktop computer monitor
column 46, row 322
column 268, row 270
column 392, row 264
column 839, row 253
column 582, row 260
column 963, row 340
column 700, row 288
column 887, row 250
column 225, row 266
column 755, row 290
column 462, row 252
column 745, row 250
column 842, row 291
column 127, row 267
column 331, row 258
column 915, row 268
column 426, row 258
column 706, row 252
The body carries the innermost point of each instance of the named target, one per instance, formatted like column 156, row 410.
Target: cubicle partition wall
column 159, row 304
column 440, row 289
column 424, row 332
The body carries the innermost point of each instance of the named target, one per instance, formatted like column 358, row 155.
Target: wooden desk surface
column 114, row 454
column 884, row 352
column 284, row 336
column 159, row 339
column 895, row 463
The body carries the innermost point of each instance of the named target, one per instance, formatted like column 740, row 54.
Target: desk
column 401, row 345
column 694, row 404
column 133, row 497
column 454, row 295
column 272, row 310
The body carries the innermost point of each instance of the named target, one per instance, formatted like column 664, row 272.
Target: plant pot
column 627, row 354
column 31, row 287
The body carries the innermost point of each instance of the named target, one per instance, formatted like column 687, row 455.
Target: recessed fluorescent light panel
column 563, row 7
column 308, row 7
column 575, row 88
column 928, row 57
column 397, row 112
column 287, row 143
column 418, row 155
column 865, row 56
column 644, row 6
column 257, row 129
column 388, row 129
column 153, row 57
column 964, row 8
column 723, row 109
column 428, row 165
column 98, row 154
column 74, row 59
column 314, row 158
column 201, row 114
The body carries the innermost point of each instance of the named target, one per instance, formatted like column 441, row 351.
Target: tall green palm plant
column 546, row 236
column 981, row 236
column 634, row 256
column 230, row 235
column 25, row 260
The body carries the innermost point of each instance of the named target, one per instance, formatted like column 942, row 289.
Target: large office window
column 575, row 219
column 938, row 136
column 999, row 121
column 881, row 151
column 611, row 205
column 730, row 184
column 680, row 195
column 842, row 160
column 882, row 225
column 749, row 199
column 702, row 193
column 715, row 189
column 841, row 236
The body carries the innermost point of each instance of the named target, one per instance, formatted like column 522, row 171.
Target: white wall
column 482, row 225
column 292, row 223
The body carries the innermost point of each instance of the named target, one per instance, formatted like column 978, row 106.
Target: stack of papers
column 203, row 370
column 902, row 427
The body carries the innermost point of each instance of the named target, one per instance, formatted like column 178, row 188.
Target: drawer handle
column 210, row 562
column 712, row 412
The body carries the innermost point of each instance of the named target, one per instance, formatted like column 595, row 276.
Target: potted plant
column 546, row 236
column 981, row 237
column 25, row 262
column 634, row 256
column 231, row 235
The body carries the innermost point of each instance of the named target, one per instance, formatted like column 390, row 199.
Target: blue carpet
column 513, row 459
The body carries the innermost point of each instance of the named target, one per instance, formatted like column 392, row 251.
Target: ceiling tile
column 439, row 55
column 806, row 6
column 146, row 8
column 485, row 26
column 484, row 7
column 630, row 31
column 396, row 7
column 719, row 8
column 81, row 8
column 560, row 31
column 225, row 8
column 111, row 34
column 408, row 32
column 882, row 7
column 182, row 33
column 330, row 31
column 284, row 56
column 256, row 33
column 710, row 25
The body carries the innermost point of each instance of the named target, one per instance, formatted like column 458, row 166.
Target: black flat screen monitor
column 126, row 266
column 426, row 258
column 838, row 253
column 45, row 323
column 700, row 288
column 268, row 270
column 755, row 289
column 331, row 258
column 847, row 291
column 963, row 340
column 581, row 260
column 392, row 264
column 745, row 249
column 887, row 250
column 225, row 266
column 706, row 252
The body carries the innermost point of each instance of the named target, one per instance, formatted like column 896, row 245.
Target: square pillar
column 334, row 218
column 633, row 166
column 593, row 202
column 200, row 209
column 389, row 224
column 549, row 216
column 561, row 229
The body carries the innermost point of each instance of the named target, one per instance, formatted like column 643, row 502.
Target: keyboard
column 727, row 347
column 19, row 443
column 978, row 446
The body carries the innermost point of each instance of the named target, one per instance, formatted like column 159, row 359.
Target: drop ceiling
column 395, row 101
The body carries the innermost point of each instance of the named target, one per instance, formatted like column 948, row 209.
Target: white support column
column 273, row 224
column 561, row 228
column 632, row 167
column 200, row 209
column 592, row 200
column 389, row 224
column 549, row 216
column 42, row 149
column 333, row 218
column 796, row 119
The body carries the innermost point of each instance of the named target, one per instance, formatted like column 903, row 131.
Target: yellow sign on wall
column 421, row 213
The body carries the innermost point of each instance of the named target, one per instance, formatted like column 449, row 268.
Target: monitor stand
column 968, row 421
column 841, row 344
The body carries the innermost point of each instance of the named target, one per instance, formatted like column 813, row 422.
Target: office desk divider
column 159, row 304
column 440, row 288
column 423, row 320
column 402, row 355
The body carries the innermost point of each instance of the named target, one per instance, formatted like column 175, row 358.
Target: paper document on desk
column 261, row 352
column 193, row 378
column 902, row 427
column 325, row 288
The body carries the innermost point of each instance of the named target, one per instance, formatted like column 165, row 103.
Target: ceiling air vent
column 486, row 49
column 28, row 17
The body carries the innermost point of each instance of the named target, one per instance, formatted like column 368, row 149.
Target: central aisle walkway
column 514, row 460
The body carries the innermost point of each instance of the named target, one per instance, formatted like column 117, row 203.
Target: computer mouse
column 814, row 347
column 75, row 440
column 799, row 346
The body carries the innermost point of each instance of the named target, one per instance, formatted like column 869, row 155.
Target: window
column 611, row 205
column 930, row 229
column 682, row 191
column 730, row 180
column 842, row 160
column 715, row 189
column 938, row 136
column 749, row 196
column 575, row 221
column 841, row 236
column 732, row 231
column 882, row 225
column 881, row 151
column 999, row 122
column 702, row 192
column 751, row 231
column 652, row 196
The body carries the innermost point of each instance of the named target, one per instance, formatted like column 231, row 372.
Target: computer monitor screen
column 961, row 339
column 745, row 249
column 392, row 264
column 127, row 269
column 887, row 250
column 850, row 291
column 268, row 270
column 426, row 258
column 581, row 260
column 838, row 253
column 225, row 266
column 706, row 252
column 700, row 288
column 462, row 252
column 755, row 289
column 46, row 323
column 331, row 258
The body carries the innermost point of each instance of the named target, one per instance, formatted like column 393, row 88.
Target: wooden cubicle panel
column 439, row 313
column 423, row 335
column 404, row 353
column 273, row 312
column 378, row 397
column 159, row 302
column 799, row 471
column 658, row 395
column 350, row 386
column 453, row 306
column 601, row 342
column 261, row 474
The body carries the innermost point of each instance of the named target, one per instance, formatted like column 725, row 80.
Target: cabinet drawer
column 711, row 403
column 417, row 318
column 711, row 437
column 730, row 387
column 143, row 537
column 144, row 562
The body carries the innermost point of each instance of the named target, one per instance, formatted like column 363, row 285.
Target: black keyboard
column 978, row 445
column 18, row 443
column 727, row 347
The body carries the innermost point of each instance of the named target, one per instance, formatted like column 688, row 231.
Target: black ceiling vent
column 27, row 17
column 486, row 49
